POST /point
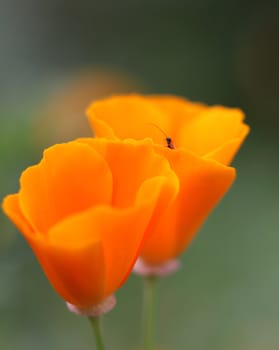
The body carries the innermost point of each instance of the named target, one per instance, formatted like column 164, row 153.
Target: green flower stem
column 95, row 323
column 148, row 317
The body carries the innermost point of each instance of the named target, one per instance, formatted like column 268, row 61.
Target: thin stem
column 95, row 323
column 148, row 317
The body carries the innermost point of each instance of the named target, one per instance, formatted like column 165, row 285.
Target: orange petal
column 75, row 272
column 227, row 151
column 216, row 130
column 129, row 116
column 60, row 265
column 131, row 163
column 70, row 269
column 179, row 111
column 202, row 185
column 122, row 230
column 12, row 209
column 91, row 254
column 128, row 228
column 211, row 129
column 70, row 178
column 175, row 106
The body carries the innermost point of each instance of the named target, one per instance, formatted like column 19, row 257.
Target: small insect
column 169, row 142
column 168, row 139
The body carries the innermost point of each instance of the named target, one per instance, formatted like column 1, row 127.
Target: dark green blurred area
column 219, row 52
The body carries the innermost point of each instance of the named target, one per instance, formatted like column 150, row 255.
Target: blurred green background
column 56, row 56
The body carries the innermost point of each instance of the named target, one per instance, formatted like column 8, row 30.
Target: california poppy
column 85, row 210
column 199, row 142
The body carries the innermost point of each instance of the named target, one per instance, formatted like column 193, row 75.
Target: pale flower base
column 144, row 269
column 95, row 311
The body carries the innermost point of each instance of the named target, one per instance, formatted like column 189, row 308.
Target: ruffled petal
column 87, row 257
column 76, row 272
column 202, row 184
column 70, row 178
column 212, row 130
column 131, row 163
column 12, row 209
column 124, row 236
column 227, row 151
column 129, row 116
column 179, row 111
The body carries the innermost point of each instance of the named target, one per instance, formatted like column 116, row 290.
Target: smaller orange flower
column 199, row 142
column 85, row 210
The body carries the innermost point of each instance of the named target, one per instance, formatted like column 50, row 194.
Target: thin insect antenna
column 168, row 139
column 157, row 127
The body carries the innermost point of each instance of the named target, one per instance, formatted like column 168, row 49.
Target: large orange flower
column 85, row 210
column 199, row 142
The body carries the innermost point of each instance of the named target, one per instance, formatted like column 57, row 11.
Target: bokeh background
column 56, row 56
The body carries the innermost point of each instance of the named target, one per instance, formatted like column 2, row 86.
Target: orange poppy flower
column 85, row 210
column 199, row 141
